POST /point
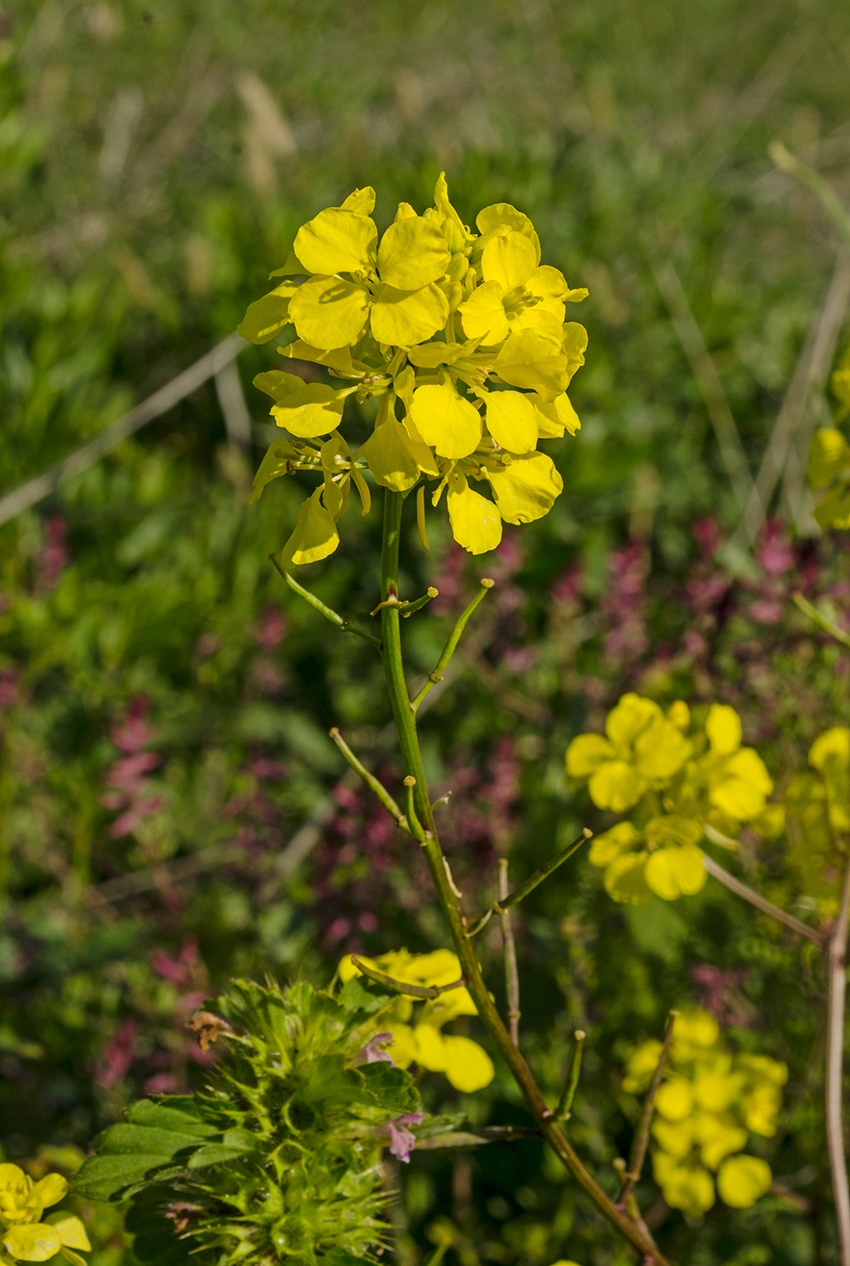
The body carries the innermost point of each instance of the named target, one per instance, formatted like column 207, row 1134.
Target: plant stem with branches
column 405, row 719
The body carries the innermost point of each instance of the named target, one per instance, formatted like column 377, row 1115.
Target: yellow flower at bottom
column 742, row 1179
column 685, row 1188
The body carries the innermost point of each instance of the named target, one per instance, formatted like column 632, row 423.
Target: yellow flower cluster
column 829, row 457
column 818, row 811
column 23, row 1235
column 462, row 337
column 466, row 1064
column 676, row 783
column 708, row 1102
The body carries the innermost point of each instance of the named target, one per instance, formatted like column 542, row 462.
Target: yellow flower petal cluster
column 460, row 334
column 24, row 1236
column 708, row 1104
column 419, row 1040
column 677, row 784
column 817, row 804
column 829, row 457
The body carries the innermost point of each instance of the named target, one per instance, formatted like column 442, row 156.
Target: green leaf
column 156, row 1239
column 111, row 1177
column 392, row 1087
column 121, row 1140
column 168, row 1116
column 353, row 997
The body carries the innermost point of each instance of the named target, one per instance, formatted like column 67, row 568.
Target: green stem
column 405, row 720
column 565, row 1102
column 451, row 644
column 371, row 781
column 344, row 626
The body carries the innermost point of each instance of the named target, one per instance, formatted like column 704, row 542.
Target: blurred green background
column 165, row 704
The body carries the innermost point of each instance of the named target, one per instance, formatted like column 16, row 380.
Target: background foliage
column 165, row 704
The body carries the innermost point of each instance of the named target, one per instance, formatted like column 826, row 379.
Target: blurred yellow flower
column 708, row 1103
column 466, row 1065
column 461, row 336
column 642, row 749
column 23, row 1236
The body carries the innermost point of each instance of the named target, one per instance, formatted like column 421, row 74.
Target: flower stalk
column 834, row 1069
column 405, row 719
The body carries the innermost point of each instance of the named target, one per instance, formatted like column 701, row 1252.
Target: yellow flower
column 742, row 1179
column 738, row 783
column 662, row 859
column 642, row 749
column 23, row 1236
column 708, row 1102
column 466, row 1065
column 462, row 396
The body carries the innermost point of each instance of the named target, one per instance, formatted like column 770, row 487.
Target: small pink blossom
column 402, row 1140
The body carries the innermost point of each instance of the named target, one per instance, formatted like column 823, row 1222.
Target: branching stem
column 371, row 782
column 511, row 973
column 760, row 903
column 834, row 1070
column 344, row 626
column 405, row 719
column 565, row 1102
column 505, row 903
column 641, row 1139
column 402, row 986
column 451, row 645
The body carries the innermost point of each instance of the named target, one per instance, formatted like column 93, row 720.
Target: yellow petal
column 742, row 785
column 661, row 750
column 555, row 416
column 34, row 1243
column 632, row 715
column 412, row 252
column 475, row 521
column 468, row 1066
column 586, row 753
column 674, row 1100
column 691, row 1190
column 615, row 785
column 315, row 535
column 71, row 1231
column 483, row 314
column 450, row 424
column 548, row 285
column 403, row 1048
column 337, row 359
column 829, row 455
column 680, row 714
column 742, row 1180
column 336, row 241
column 431, row 355
column 510, row 259
column 574, row 342
column 50, row 1190
column 832, row 746
column 625, row 881
column 526, row 489
column 676, row 1138
column 431, row 1050
column 512, row 421
column 723, row 728
column 502, row 214
column 311, row 409
column 395, row 459
column 622, row 838
column 361, row 201
column 694, row 1027
column 329, row 313
column 267, row 315
column 717, row 1139
column 714, row 1090
column 534, row 360
column 675, row 872
column 403, row 317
